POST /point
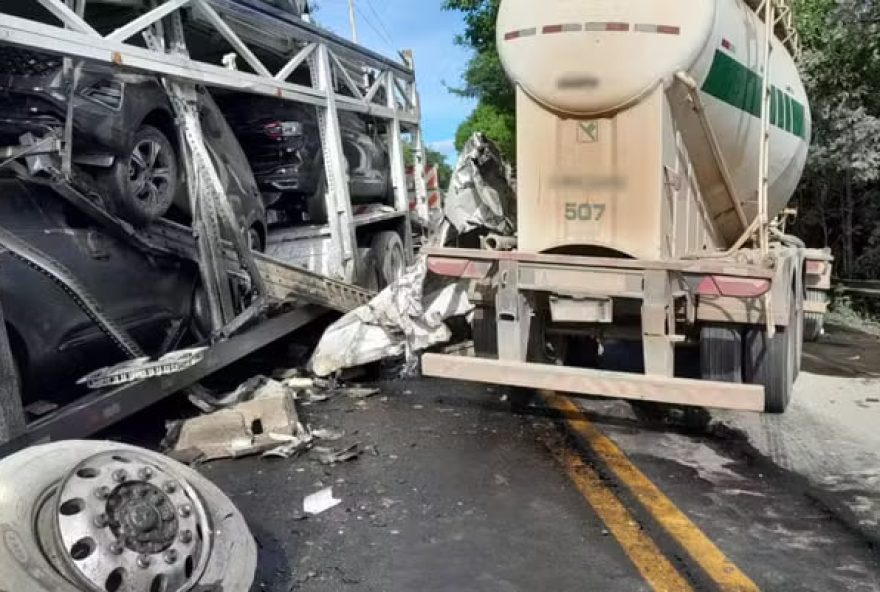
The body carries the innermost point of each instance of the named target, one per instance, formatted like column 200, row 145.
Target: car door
column 146, row 296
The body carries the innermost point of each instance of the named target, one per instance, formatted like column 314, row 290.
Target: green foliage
column 838, row 198
column 497, row 124
column 484, row 78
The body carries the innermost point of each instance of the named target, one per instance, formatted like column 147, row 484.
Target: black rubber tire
column 485, row 333
column 368, row 274
column 771, row 362
column 254, row 239
column 721, row 353
column 132, row 199
column 390, row 256
column 12, row 417
column 233, row 557
column 317, row 202
column 814, row 323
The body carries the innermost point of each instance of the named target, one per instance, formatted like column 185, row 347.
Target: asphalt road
column 457, row 492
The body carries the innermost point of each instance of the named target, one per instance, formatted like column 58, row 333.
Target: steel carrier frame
column 284, row 297
column 519, row 290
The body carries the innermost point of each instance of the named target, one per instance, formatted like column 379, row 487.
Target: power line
column 379, row 19
column 383, row 36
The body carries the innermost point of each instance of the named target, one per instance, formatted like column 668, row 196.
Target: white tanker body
column 591, row 60
column 639, row 135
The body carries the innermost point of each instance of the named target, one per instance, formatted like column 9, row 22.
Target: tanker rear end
column 645, row 198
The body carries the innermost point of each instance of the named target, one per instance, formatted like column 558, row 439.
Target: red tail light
column 459, row 268
column 274, row 130
column 815, row 267
column 720, row 285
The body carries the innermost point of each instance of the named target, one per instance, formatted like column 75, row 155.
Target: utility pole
column 354, row 31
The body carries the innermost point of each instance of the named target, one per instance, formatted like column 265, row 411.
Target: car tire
column 254, row 239
column 140, row 187
column 28, row 477
column 390, row 257
column 368, row 272
column 317, row 202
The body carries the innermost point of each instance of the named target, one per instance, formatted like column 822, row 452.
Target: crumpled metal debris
column 329, row 456
column 482, row 193
column 254, row 419
column 256, row 387
column 405, row 318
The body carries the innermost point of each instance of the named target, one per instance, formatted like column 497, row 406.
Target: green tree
column 484, row 78
column 841, row 70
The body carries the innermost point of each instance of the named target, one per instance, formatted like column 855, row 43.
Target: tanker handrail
column 784, row 26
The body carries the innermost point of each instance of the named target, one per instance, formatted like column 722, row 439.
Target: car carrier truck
column 657, row 143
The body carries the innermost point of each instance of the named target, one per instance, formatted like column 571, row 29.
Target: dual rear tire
column 729, row 353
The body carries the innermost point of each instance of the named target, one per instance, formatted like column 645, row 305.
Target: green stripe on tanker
column 740, row 87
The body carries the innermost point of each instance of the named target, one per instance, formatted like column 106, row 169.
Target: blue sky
column 421, row 25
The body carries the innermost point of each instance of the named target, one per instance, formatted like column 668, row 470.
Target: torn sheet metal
column 482, row 194
column 329, row 456
column 405, row 318
column 267, row 420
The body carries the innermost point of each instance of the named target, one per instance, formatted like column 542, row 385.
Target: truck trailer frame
column 283, row 295
column 721, row 276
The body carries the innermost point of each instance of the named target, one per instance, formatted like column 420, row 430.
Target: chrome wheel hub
column 127, row 523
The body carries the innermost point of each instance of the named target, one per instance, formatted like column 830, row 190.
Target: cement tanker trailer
column 657, row 142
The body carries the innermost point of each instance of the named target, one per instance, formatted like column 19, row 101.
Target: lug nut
column 170, row 556
column 143, row 561
column 169, row 487
column 166, row 513
column 116, row 548
column 145, row 474
column 186, row 537
column 185, row 510
column 101, row 520
column 120, row 476
column 102, row 492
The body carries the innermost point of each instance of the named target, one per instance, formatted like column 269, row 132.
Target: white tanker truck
column 657, row 143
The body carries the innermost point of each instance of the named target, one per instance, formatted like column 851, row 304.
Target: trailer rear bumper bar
column 583, row 382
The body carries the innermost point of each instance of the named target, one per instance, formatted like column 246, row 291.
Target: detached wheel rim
column 123, row 521
column 149, row 172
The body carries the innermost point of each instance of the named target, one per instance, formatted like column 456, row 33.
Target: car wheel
column 254, row 239
column 317, row 203
column 79, row 515
column 141, row 187
column 390, row 257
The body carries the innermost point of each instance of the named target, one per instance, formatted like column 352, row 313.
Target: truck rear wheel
column 79, row 515
column 814, row 322
column 721, row 353
column 771, row 362
column 390, row 257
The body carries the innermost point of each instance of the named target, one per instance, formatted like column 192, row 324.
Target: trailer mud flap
column 581, row 382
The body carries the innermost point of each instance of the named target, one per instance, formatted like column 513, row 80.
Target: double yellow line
column 652, row 564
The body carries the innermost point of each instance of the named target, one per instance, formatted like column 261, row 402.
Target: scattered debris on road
column 405, row 318
column 258, row 420
column 320, row 502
